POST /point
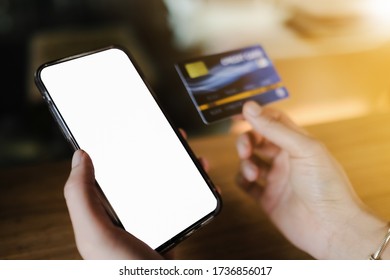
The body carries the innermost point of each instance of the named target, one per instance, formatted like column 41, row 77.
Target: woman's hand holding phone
column 97, row 237
column 104, row 106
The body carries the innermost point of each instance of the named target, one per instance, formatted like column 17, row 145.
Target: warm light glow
column 345, row 38
column 216, row 26
column 379, row 10
column 307, row 115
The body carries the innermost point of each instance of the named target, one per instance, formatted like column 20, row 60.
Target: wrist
column 358, row 238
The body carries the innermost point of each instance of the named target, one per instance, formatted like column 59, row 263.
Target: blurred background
column 333, row 56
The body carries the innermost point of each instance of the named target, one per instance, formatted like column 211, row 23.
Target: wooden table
column 34, row 222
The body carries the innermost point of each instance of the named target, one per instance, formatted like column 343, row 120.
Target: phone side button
column 188, row 233
column 47, row 98
column 207, row 221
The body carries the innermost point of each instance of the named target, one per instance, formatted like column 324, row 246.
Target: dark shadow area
column 36, row 31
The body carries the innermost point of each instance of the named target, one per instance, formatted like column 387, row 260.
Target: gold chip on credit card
column 196, row 69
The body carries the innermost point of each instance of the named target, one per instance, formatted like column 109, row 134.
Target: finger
column 251, row 143
column 219, row 190
column 96, row 236
column 245, row 145
column 267, row 151
column 237, row 118
column 277, row 129
column 254, row 169
column 253, row 189
column 283, row 118
column 91, row 223
column 87, row 214
column 248, row 142
column 249, row 170
column 206, row 166
column 183, row 133
column 205, row 163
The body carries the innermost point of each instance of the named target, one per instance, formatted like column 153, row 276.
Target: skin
column 96, row 236
column 303, row 189
column 291, row 175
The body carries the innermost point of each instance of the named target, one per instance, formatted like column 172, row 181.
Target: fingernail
column 252, row 173
column 77, row 156
column 243, row 147
column 252, row 108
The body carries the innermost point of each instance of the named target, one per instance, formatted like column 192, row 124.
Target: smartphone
column 151, row 182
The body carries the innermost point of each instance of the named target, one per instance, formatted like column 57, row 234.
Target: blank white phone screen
column 140, row 164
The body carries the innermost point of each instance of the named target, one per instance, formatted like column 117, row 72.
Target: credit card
column 220, row 84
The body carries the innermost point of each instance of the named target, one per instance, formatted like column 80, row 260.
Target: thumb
column 95, row 234
column 277, row 128
column 87, row 214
